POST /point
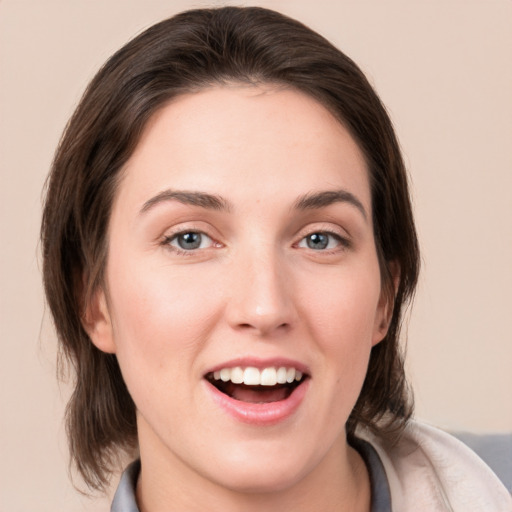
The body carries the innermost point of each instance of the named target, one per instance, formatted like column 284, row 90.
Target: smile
column 253, row 385
column 258, row 393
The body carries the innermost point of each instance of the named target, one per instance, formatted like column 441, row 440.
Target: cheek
column 341, row 317
column 160, row 320
column 344, row 309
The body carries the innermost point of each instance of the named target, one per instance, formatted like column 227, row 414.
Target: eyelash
column 343, row 243
column 167, row 241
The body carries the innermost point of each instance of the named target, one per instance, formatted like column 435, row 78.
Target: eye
column 189, row 241
column 320, row 241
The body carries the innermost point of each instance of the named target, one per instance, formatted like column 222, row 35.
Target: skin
column 254, row 288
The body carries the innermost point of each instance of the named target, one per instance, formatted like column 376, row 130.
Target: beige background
column 442, row 68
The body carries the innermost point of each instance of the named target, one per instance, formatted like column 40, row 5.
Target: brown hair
column 191, row 51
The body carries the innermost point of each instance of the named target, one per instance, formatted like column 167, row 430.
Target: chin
column 260, row 480
column 262, row 470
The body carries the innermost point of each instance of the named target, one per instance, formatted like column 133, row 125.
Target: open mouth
column 253, row 385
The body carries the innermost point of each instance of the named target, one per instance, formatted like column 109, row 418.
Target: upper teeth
column 253, row 377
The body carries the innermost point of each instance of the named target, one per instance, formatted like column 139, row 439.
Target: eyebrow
column 202, row 199
column 311, row 201
column 317, row 200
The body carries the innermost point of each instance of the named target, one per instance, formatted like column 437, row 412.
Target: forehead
column 247, row 140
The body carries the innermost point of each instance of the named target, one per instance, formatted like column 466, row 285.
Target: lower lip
column 260, row 413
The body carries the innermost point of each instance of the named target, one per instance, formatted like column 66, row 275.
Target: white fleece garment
column 431, row 471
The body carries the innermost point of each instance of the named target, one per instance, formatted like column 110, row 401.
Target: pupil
column 189, row 240
column 318, row 241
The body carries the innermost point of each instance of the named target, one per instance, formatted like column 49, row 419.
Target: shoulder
column 495, row 450
column 430, row 470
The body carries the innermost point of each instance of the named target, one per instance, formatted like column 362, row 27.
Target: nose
column 261, row 298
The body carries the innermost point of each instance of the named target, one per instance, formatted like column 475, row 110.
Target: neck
column 339, row 483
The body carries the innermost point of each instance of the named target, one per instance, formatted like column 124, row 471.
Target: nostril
column 264, row 328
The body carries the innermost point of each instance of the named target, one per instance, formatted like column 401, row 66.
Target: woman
column 228, row 248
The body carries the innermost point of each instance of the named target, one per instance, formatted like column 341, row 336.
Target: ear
column 386, row 304
column 97, row 322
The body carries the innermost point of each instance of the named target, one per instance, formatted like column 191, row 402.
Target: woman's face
column 241, row 249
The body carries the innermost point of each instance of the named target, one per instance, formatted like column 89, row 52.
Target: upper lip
column 255, row 362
